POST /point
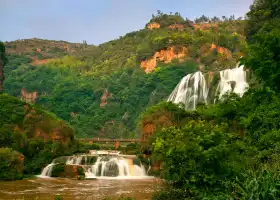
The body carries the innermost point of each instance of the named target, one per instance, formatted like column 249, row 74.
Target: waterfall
column 115, row 167
column 190, row 91
column 102, row 164
column 47, row 171
column 193, row 89
column 232, row 80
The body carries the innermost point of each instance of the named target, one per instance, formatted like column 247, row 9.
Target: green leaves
column 194, row 154
column 264, row 42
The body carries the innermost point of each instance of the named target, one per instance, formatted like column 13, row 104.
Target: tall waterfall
column 102, row 164
column 193, row 89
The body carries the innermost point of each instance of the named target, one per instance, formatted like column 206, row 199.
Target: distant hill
column 101, row 90
column 38, row 49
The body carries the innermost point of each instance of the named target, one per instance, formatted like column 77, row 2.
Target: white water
column 192, row 89
column 107, row 165
column 122, row 167
column 236, row 76
column 47, row 171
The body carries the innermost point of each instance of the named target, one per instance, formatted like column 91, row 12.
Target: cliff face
column 103, row 100
column 176, row 26
column 28, row 97
column 223, row 51
column 205, row 26
column 165, row 56
column 153, row 25
column 157, row 121
column 41, row 62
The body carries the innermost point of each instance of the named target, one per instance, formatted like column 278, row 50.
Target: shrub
column 11, row 164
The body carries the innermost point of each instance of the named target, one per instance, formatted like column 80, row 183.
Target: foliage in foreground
column 232, row 150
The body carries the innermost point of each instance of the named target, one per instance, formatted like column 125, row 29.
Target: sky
column 98, row 21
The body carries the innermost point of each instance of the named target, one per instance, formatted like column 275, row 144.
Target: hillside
column 30, row 137
column 102, row 90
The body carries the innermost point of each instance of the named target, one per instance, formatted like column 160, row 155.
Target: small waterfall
column 47, row 171
column 190, row 91
column 102, row 164
column 232, row 80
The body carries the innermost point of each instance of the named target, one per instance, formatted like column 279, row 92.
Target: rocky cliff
column 166, row 56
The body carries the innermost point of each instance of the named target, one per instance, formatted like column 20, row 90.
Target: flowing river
column 49, row 188
column 107, row 174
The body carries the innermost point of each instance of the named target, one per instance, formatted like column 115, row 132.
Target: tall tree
column 263, row 33
column 2, row 63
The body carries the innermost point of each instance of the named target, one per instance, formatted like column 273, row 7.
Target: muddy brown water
column 48, row 189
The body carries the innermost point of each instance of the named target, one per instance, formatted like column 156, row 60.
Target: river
column 49, row 188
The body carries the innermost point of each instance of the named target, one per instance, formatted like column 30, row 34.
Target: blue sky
column 98, row 21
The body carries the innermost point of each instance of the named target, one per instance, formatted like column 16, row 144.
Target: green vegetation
column 166, row 20
column 229, row 150
column 264, row 34
column 76, row 98
column 3, row 61
column 72, row 86
column 11, row 164
column 38, row 135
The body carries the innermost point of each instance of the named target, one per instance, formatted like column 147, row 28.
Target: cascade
column 190, row 91
column 47, row 171
column 102, row 164
column 193, row 89
column 232, row 80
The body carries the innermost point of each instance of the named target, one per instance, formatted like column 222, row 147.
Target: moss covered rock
column 68, row 171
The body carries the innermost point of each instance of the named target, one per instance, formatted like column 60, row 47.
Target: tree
column 202, row 19
column 3, row 61
column 261, row 12
column 263, row 33
column 187, row 152
column 224, row 18
column 215, row 19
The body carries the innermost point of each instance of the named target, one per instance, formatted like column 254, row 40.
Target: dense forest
column 101, row 90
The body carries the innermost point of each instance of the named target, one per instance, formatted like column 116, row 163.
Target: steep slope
column 101, row 91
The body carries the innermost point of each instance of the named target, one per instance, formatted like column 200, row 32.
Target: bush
column 258, row 186
column 199, row 156
column 11, row 164
column 57, row 170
